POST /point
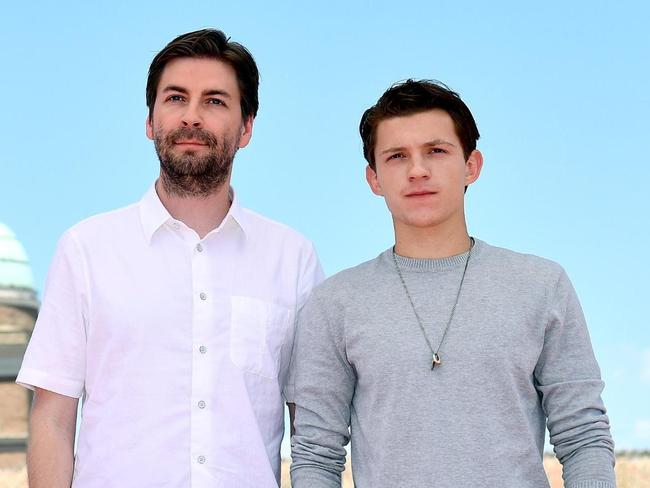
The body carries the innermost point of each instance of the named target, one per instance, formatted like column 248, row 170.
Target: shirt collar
column 237, row 212
column 154, row 215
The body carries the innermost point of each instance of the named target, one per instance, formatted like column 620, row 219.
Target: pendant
column 435, row 360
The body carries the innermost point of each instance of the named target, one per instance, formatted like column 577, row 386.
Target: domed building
column 18, row 311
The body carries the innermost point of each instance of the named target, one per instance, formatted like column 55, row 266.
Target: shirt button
column 201, row 459
column 203, row 296
column 199, row 247
column 201, row 404
column 203, row 349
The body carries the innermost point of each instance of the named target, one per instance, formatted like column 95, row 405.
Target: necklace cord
column 434, row 353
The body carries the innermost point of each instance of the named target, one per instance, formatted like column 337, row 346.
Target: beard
column 189, row 174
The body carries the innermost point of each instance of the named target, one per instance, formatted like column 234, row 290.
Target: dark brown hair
column 413, row 96
column 212, row 44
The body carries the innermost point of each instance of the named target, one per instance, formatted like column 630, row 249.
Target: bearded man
column 172, row 318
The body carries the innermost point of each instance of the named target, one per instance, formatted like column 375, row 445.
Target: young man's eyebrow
column 435, row 142
column 392, row 149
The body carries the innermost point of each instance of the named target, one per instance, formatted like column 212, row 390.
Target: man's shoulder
column 273, row 229
column 104, row 223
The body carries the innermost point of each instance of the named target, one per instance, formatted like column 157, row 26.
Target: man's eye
column 175, row 98
column 438, row 150
column 215, row 101
column 397, row 156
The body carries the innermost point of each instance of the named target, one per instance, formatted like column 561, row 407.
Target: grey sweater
column 517, row 358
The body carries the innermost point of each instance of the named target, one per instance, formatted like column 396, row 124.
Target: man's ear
column 149, row 127
column 371, row 178
column 246, row 132
column 473, row 167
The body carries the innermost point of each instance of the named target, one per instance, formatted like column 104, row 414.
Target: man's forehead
column 203, row 74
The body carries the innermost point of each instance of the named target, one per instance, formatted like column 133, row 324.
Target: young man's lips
column 423, row 193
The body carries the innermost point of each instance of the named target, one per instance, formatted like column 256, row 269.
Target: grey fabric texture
column 516, row 359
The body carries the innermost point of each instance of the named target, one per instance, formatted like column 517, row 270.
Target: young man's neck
column 202, row 214
column 431, row 243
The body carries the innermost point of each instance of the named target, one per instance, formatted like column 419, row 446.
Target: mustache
column 192, row 133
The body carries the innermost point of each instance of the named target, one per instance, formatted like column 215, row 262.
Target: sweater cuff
column 592, row 484
column 308, row 477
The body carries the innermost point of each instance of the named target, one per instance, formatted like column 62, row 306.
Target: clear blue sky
column 560, row 91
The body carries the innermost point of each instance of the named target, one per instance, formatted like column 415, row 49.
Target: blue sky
column 559, row 91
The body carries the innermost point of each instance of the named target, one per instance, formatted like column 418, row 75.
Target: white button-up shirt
column 179, row 346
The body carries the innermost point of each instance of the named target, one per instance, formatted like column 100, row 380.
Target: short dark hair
column 414, row 96
column 211, row 44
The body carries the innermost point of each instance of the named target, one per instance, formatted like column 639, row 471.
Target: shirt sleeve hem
column 31, row 379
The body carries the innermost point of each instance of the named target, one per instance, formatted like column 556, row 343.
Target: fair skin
column 192, row 92
column 51, row 438
column 421, row 172
column 201, row 93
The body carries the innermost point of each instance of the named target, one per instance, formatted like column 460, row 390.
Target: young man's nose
column 418, row 169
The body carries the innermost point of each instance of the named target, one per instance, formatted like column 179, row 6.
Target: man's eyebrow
column 204, row 93
column 222, row 93
column 175, row 88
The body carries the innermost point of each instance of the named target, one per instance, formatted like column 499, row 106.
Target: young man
column 173, row 317
column 445, row 357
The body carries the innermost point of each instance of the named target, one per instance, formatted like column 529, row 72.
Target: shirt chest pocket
column 258, row 329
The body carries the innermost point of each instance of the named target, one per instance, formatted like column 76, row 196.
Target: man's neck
column 202, row 214
column 430, row 243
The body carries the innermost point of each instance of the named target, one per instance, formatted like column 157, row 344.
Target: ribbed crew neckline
column 428, row 264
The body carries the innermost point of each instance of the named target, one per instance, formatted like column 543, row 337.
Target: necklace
column 435, row 356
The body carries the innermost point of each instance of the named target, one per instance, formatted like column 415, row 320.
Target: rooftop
column 15, row 271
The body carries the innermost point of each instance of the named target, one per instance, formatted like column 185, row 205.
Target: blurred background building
column 18, row 310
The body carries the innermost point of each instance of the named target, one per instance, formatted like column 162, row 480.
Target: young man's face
column 421, row 171
column 197, row 122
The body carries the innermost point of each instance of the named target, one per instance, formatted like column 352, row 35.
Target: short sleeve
column 55, row 359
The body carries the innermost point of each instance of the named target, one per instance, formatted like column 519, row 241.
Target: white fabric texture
column 178, row 346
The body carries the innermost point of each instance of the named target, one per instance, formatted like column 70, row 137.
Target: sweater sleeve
column 568, row 379
column 324, row 386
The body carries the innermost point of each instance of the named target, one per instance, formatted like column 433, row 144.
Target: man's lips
column 189, row 143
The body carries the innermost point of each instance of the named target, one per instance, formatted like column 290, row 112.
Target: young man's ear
column 371, row 178
column 473, row 167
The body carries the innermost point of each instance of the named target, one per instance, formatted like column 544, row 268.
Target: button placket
column 202, row 318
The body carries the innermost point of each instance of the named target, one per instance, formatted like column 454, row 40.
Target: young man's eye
column 175, row 98
column 396, row 156
column 438, row 150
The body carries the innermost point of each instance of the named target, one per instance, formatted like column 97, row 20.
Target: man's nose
column 192, row 116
